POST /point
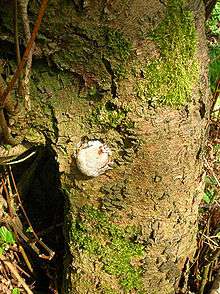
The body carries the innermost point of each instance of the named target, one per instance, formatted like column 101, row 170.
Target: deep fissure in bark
column 39, row 185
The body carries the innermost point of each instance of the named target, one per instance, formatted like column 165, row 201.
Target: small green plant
column 210, row 190
column 217, row 146
column 214, row 65
column 213, row 32
column 208, row 196
column 6, row 238
column 213, row 22
column 15, row 291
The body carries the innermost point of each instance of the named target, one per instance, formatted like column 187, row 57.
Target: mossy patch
column 83, row 53
column 117, row 44
column 115, row 247
column 48, row 82
column 169, row 78
column 114, row 118
column 110, row 115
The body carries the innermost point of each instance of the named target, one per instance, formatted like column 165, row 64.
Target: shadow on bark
column 39, row 186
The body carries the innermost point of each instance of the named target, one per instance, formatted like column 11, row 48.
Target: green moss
column 113, row 246
column 169, row 78
column 108, row 118
column 84, row 54
column 77, row 50
column 120, row 71
column 47, row 81
column 109, row 115
column 117, row 44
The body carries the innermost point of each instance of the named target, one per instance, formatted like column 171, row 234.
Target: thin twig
column 37, row 240
column 19, row 199
column 11, row 213
column 24, row 15
column 18, row 55
column 23, row 253
column 204, row 279
column 216, row 284
column 15, row 273
column 26, row 53
column 17, row 48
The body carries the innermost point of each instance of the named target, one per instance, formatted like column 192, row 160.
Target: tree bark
column 132, row 74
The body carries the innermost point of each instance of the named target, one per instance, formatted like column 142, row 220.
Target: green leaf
column 214, row 65
column 6, row 236
column 210, row 181
column 206, row 198
column 15, row 291
column 218, row 235
column 29, row 230
column 213, row 22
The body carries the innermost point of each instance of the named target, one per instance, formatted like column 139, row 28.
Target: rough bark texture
column 133, row 74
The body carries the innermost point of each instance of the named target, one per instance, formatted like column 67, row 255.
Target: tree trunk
column 131, row 74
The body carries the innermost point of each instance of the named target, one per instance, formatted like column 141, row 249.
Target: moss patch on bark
column 169, row 77
column 116, row 248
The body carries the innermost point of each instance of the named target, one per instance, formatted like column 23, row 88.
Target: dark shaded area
column 202, row 109
column 38, row 181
